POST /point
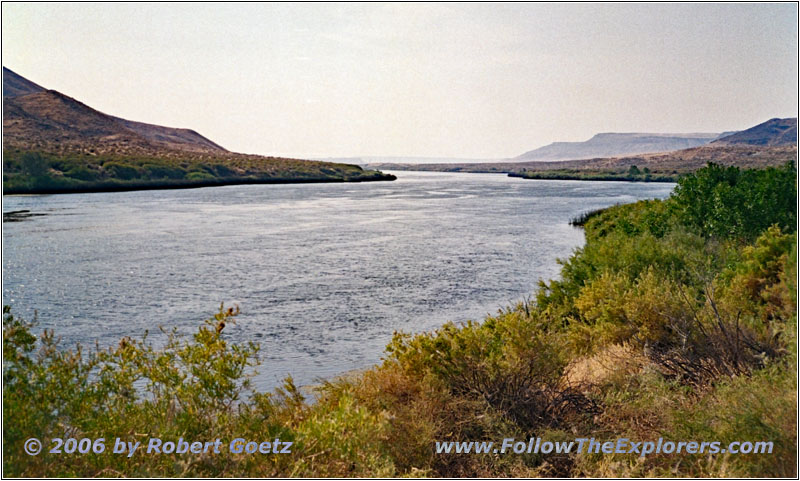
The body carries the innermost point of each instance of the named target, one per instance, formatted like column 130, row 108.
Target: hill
column 616, row 144
column 35, row 115
column 15, row 85
column 771, row 132
column 55, row 143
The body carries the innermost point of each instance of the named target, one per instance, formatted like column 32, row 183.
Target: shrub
column 186, row 388
column 157, row 171
column 81, row 173
column 729, row 202
column 510, row 362
column 121, row 171
column 199, row 176
column 34, row 164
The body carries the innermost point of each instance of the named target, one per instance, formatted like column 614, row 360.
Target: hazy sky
column 459, row 80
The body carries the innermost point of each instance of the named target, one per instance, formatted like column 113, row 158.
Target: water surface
column 323, row 273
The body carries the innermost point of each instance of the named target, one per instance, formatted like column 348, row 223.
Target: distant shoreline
column 550, row 175
column 113, row 187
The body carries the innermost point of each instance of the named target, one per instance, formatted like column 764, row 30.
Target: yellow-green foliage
column 615, row 308
column 764, row 282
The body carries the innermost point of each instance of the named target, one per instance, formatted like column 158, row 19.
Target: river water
column 323, row 273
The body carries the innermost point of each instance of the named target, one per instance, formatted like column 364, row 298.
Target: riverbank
column 588, row 175
column 37, row 172
column 369, row 176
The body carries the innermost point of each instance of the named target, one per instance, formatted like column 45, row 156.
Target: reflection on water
column 323, row 273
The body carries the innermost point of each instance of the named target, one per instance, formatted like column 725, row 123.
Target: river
column 323, row 273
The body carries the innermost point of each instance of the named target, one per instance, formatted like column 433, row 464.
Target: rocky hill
column 771, row 132
column 34, row 117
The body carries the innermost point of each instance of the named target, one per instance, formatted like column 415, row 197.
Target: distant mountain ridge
column 36, row 117
column 772, row 132
column 616, row 144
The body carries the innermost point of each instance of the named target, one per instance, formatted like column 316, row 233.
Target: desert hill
column 771, row 132
column 47, row 119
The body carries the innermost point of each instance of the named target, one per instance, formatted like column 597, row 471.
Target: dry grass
column 599, row 368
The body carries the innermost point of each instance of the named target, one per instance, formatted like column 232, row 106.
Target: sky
column 478, row 81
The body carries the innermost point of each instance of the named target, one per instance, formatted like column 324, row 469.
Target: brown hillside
column 771, row 132
column 169, row 137
column 51, row 121
column 35, row 118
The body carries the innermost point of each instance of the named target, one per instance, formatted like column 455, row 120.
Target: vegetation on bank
column 676, row 320
column 29, row 172
column 632, row 174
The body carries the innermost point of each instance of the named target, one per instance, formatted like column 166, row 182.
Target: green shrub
column 81, row 173
column 729, row 202
column 121, row 171
column 34, row 164
column 156, row 171
column 198, row 176
column 186, row 388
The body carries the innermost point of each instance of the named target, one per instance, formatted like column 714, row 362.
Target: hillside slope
column 771, row 132
column 184, row 139
column 47, row 119
column 52, row 121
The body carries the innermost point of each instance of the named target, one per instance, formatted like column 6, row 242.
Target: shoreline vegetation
column 34, row 172
column 677, row 319
column 633, row 174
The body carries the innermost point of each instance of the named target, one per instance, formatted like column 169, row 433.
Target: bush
column 156, row 171
column 509, row 362
column 199, row 176
column 81, row 173
column 187, row 389
column 729, row 202
column 121, row 171
column 34, row 164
